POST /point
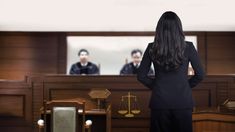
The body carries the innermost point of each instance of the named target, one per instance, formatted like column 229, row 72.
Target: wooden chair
column 65, row 116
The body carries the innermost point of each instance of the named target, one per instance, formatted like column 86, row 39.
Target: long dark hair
column 169, row 42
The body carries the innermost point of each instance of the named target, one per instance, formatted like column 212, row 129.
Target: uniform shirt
column 130, row 68
column 171, row 90
column 90, row 68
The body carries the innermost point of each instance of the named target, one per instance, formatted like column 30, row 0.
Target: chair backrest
column 64, row 119
column 64, row 115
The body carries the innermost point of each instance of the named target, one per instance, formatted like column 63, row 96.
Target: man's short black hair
column 83, row 50
column 136, row 51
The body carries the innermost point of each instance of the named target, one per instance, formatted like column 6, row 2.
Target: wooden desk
column 213, row 122
column 30, row 93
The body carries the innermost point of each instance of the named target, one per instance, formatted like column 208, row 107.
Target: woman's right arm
column 143, row 69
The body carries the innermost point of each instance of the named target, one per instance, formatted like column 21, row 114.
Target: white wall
column 113, row 15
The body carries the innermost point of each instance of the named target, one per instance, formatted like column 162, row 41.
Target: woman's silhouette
column 171, row 99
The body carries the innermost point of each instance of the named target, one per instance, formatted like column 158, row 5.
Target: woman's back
column 172, row 89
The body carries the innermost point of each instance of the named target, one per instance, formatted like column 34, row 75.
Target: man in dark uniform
column 131, row 68
column 84, row 67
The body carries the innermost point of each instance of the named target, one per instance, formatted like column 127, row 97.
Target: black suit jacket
column 77, row 68
column 171, row 90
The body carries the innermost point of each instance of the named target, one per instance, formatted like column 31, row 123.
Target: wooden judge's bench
column 21, row 101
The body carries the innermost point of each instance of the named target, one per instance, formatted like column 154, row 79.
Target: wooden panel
column 232, row 91
column 13, row 75
column 201, row 37
column 202, row 98
column 62, row 53
column 130, row 122
column 204, row 95
column 27, row 53
column 213, row 122
column 16, row 106
column 27, row 39
column 12, row 105
column 135, row 129
column 223, row 92
column 37, row 98
column 24, row 106
column 220, row 53
column 130, row 125
column 33, row 66
column 16, row 129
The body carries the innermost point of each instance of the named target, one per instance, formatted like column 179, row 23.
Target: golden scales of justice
column 129, row 106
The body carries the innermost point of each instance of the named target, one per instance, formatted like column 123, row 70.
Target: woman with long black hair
column 171, row 99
